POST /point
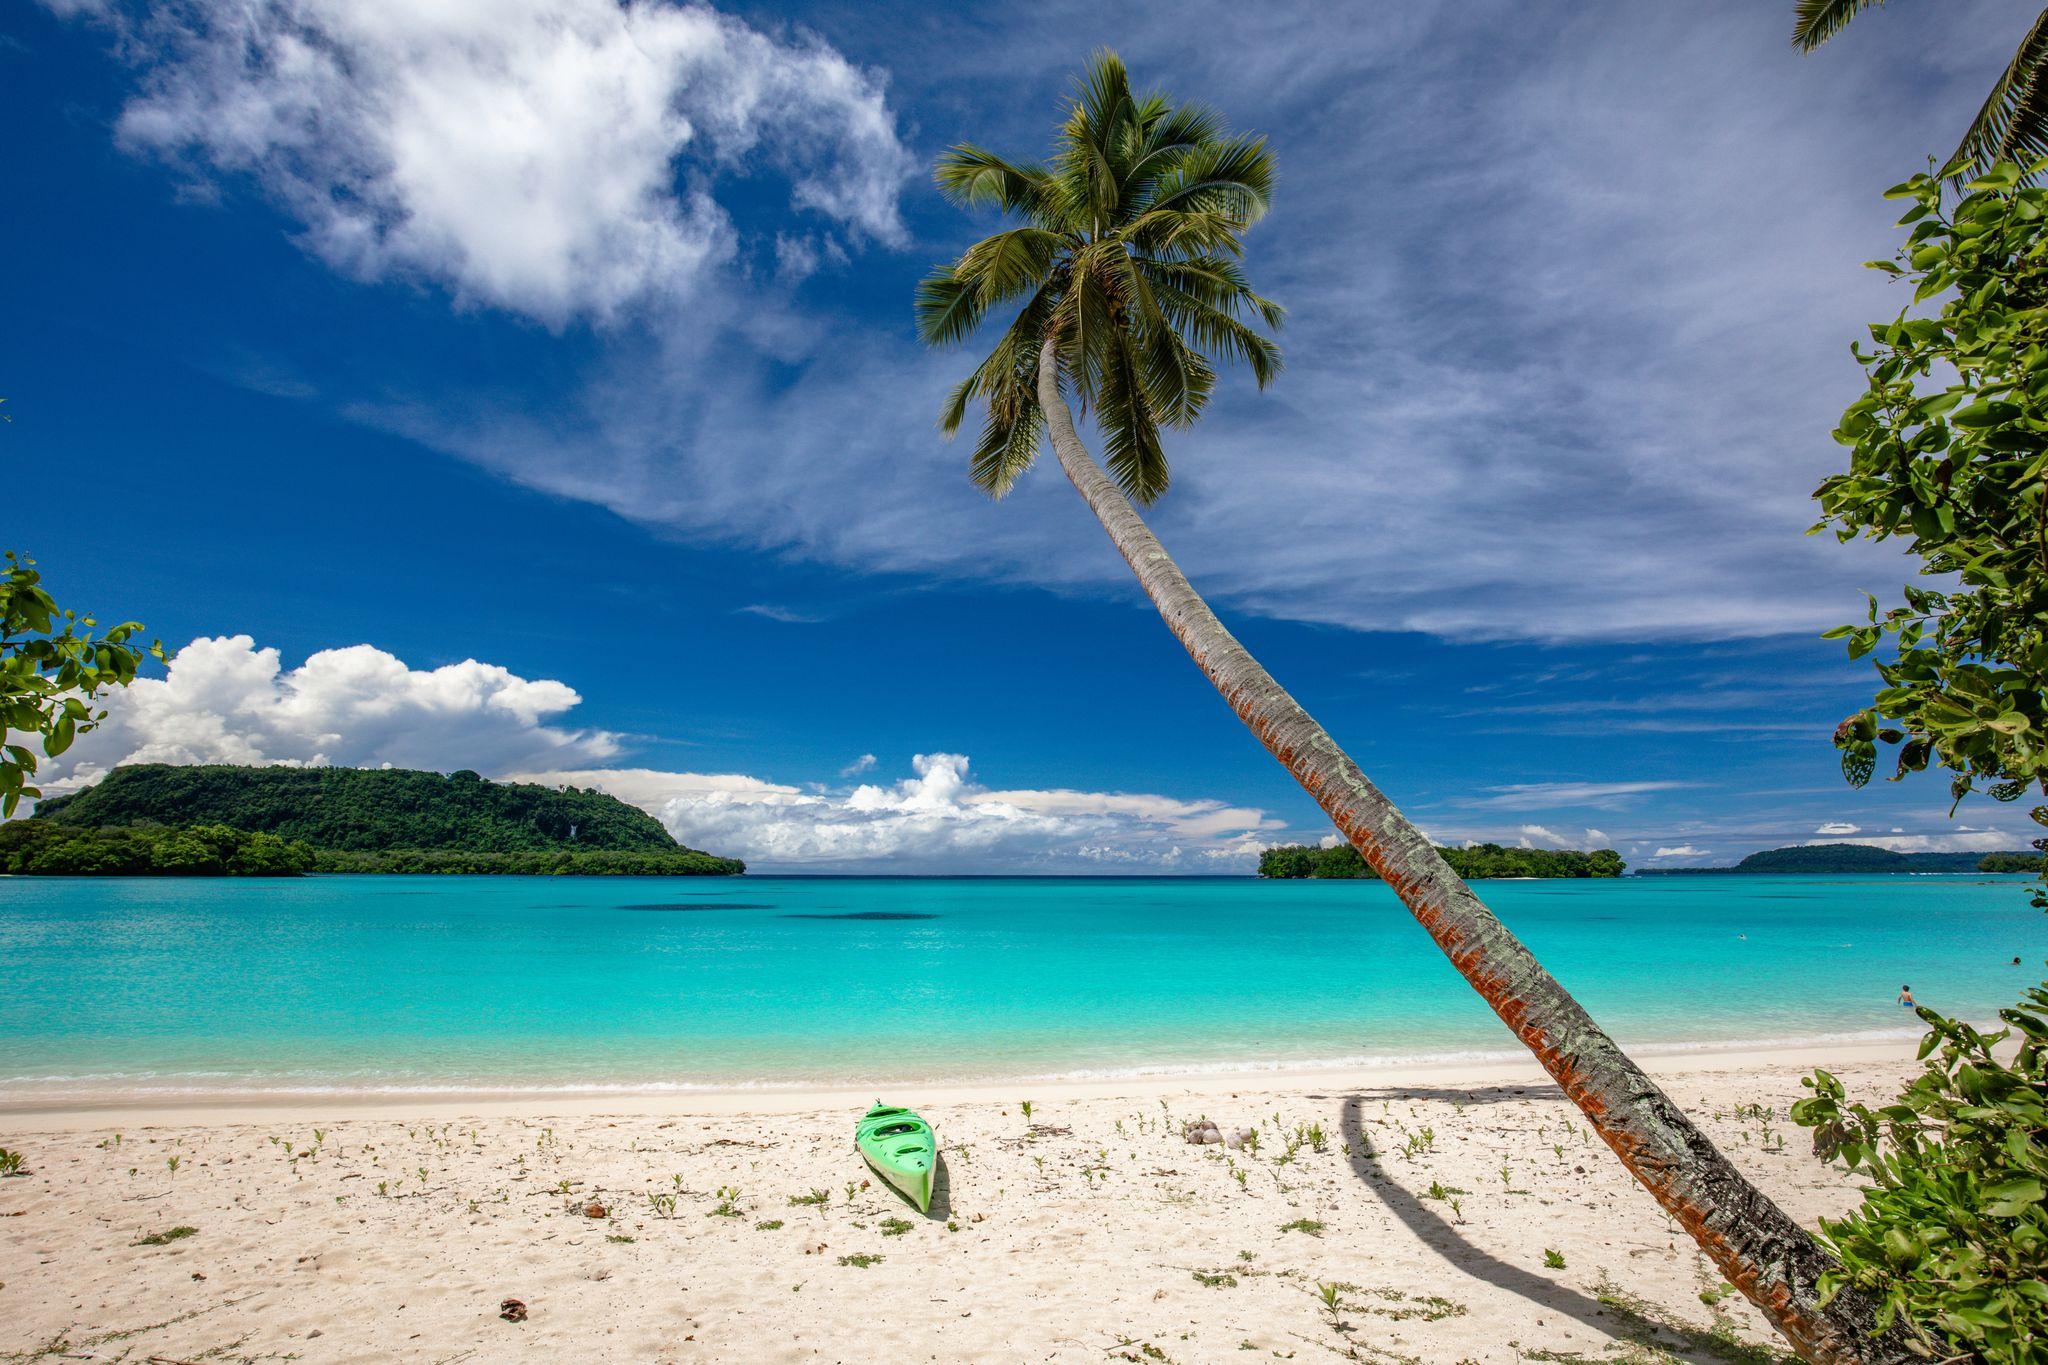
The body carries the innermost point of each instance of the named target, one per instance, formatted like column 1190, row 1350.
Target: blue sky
column 532, row 387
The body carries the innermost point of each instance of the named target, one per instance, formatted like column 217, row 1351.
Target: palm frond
column 1008, row 445
column 2013, row 124
column 1009, row 263
column 1181, row 233
column 1816, row 21
column 1178, row 379
column 974, row 177
column 1214, row 330
column 1130, row 436
column 948, row 307
column 1233, row 178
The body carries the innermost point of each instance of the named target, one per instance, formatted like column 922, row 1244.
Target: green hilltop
column 343, row 820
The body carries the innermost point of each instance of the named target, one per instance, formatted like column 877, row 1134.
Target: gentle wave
column 286, row 1085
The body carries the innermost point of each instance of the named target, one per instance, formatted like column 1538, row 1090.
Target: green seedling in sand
column 1712, row 1297
column 861, row 1260
column 617, row 1237
column 1504, row 1176
column 1312, row 1226
column 1026, row 1107
column 664, row 1205
column 1216, row 1279
column 1237, row 1173
column 1251, row 1142
column 1316, row 1137
column 768, row 1225
column 728, row 1206
column 10, row 1162
column 1249, row 1256
column 852, row 1189
column 561, row 1186
column 1332, row 1297
column 1457, row 1210
column 1439, row 1190
column 172, row 1162
column 813, row 1198
column 1558, row 1147
column 896, row 1227
column 166, row 1237
column 1553, row 1259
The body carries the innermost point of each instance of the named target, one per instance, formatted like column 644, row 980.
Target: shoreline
column 141, row 1108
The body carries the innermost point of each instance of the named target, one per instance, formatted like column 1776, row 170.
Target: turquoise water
column 516, row 983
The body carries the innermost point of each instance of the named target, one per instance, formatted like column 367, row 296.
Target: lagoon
column 516, row 984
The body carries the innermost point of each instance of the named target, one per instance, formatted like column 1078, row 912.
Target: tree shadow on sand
column 1616, row 1315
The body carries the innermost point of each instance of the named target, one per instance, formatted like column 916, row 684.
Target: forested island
column 1478, row 860
column 225, row 820
column 1841, row 858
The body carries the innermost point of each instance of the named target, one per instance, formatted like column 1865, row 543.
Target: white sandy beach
column 393, row 1228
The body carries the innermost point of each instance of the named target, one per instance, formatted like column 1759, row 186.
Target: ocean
column 514, row 984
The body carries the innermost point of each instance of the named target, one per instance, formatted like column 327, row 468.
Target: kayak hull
column 902, row 1149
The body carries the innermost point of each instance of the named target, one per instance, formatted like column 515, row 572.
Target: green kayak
column 902, row 1149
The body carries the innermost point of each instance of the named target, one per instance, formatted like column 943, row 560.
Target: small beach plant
column 10, row 1161
column 1553, row 1259
column 1122, row 261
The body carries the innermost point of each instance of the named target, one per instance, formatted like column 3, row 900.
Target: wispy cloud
column 1566, row 795
column 785, row 615
column 1576, row 386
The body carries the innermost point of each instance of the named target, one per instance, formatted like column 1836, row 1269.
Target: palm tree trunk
column 1758, row 1248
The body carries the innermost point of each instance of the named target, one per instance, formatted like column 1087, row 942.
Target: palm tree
column 2012, row 125
column 1125, row 265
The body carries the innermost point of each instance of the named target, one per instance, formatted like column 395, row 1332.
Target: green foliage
column 1481, row 860
column 52, row 667
column 2010, row 862
column 1949, row 449
column 43, row 848
column 1952, row 1237
column 1125, row 255
column 365, row 809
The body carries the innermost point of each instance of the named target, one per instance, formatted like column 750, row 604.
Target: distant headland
column 1861, row 858
column 227, row 820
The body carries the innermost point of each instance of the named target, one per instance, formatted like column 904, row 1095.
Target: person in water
column 1906, row 997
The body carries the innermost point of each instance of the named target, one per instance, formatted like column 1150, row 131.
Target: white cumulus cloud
column 1681, row 851
column 223, row 700
column 558, row 158
column 1837, row 827
column 936, row 819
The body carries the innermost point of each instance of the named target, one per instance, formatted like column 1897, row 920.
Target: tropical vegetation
column 52, row 669
column 364, row 809
column 1952, row 1235
column 38, row 848
column 1949, row 452
column 2012, row 124
column 1123, row 261
column 1474, row 860
column 363, row 820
